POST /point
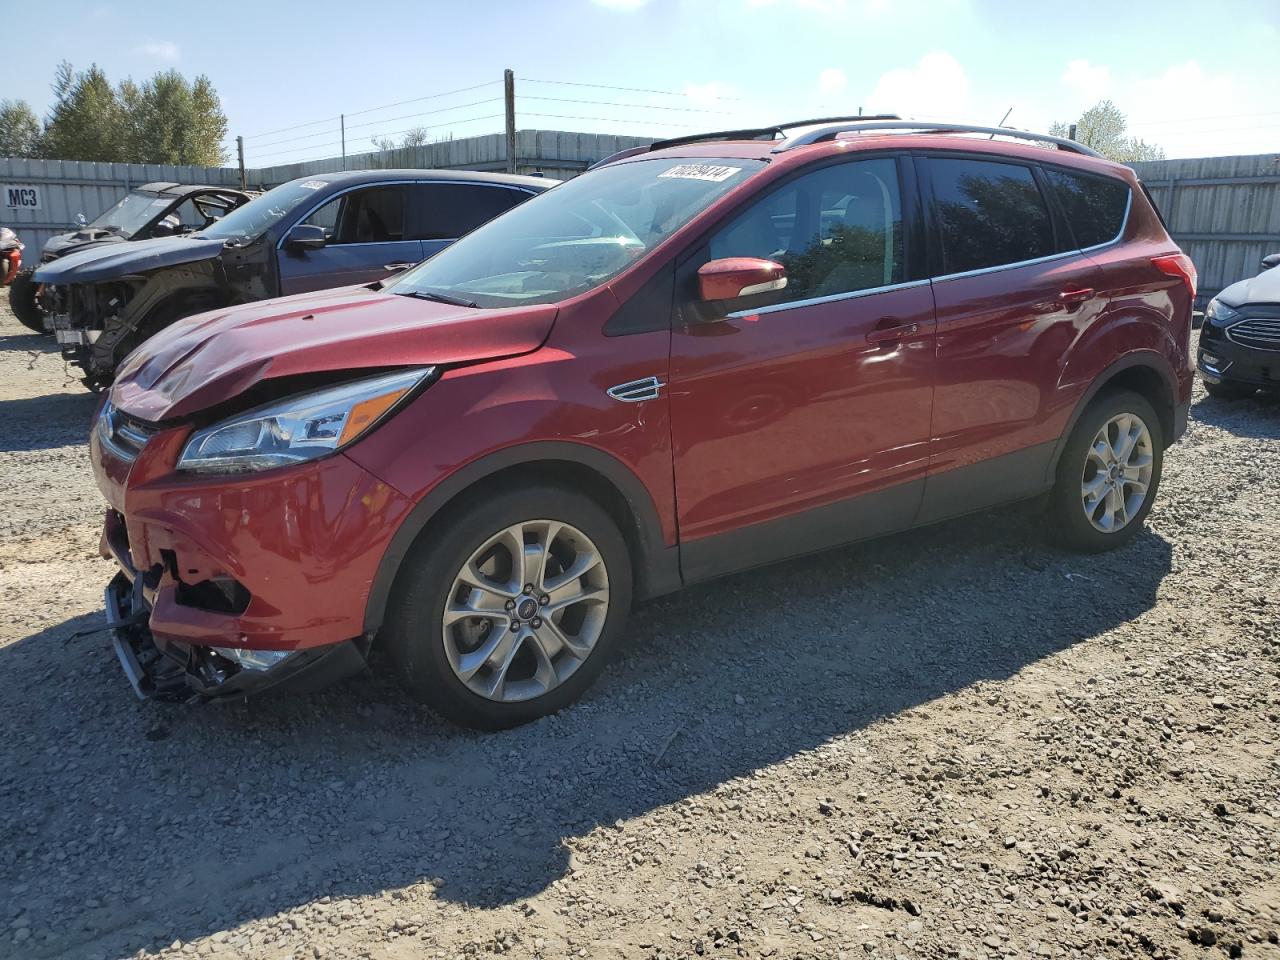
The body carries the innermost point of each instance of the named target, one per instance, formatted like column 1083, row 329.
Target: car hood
column 113, row 260
column 208, row 359
column 62, row 244
column 1264, row 288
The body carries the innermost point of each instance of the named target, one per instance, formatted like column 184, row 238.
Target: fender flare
column 1151, row 360
column 658, row 565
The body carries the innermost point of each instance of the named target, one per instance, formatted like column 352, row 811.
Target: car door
column 446, row 210
column 804, row 421
column 365, row 230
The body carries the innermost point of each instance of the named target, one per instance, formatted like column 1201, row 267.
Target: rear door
column 447, row 210
column 1012, row 295
column 368, row 239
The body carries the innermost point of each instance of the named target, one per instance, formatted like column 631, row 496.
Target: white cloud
column 620, row 4
column 1091, row 82
column 935, row 88
column 832, row 81
column 165, row 50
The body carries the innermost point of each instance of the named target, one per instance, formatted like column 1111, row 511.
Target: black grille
column 1261, row 333
column 123, row 434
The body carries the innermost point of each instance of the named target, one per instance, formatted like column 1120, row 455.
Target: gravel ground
column 954, row 743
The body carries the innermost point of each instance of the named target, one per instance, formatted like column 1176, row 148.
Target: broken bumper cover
column 172, row 670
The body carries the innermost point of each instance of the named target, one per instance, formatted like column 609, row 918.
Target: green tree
column 1103, row 128
column 19, row 129
column 86, row 121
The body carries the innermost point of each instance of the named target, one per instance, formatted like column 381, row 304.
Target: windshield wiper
column 440, row 298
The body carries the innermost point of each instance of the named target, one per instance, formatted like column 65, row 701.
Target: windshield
column 132, row 213
column 256, row 216
column 575, row 236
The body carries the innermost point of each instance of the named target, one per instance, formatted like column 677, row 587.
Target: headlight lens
column 1219, row 314
column 299, row 428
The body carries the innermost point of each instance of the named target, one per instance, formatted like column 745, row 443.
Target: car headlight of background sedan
column 1219, row 314
column 299, row 428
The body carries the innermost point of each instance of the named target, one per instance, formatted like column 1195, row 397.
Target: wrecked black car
column 160, row 209
column 327, row 230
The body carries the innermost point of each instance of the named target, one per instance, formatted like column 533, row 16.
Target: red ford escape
column 700, row 357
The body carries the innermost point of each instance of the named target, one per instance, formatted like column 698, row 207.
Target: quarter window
column 989, row 214
column 836, row 230
column 1095, row 206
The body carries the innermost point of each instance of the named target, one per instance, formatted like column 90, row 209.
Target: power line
column 565, row 116
column 385, row 106
column 605, row 86
column 374, row 123
column 638, row 106
column 390, row 133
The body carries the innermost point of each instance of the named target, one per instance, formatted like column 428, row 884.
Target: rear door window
column 447, row 211
column 989, row 214
column 1095, row 206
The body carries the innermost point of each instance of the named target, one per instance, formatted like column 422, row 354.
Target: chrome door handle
column 888, row 334
column 396, row 267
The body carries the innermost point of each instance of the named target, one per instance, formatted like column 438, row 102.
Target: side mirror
column 1272, row 260
column 305, row 236
column 732, row 277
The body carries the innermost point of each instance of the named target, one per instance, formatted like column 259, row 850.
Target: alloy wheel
column 1117, row 472
column 526, row 610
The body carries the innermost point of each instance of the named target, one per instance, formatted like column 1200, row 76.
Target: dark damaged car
column 160, row 209
column 328, row 230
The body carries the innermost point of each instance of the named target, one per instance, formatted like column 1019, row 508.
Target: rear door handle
column 1074, row 295
column 889, row 334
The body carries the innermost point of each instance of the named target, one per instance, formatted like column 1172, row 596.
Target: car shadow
column 46, row 422
column 149, row 823
column 1240, row 417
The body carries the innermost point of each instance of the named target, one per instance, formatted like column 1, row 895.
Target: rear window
column 990, row 214
column 1095, row 206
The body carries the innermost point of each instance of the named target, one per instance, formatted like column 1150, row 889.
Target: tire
column 22, row 300
column 1075, row 526
column 544, row 674
column 1226, row 390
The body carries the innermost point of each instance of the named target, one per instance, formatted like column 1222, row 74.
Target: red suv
column 700, row 357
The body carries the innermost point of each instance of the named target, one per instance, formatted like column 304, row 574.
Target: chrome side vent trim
column 635, row 391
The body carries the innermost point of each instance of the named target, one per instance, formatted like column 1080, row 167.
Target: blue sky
column 1198, row 78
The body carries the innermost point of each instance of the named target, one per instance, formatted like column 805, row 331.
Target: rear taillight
column 1178, row 265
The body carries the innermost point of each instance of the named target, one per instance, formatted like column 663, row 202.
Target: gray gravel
column 955, row 743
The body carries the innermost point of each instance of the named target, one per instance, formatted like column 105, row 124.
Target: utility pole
column 240, row 153
column 509, row 95
column 342, row 128
column 1071, row 132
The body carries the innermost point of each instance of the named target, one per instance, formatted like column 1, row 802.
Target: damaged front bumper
column 176, row 671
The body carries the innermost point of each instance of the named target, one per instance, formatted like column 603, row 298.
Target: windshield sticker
column 711, row 172
column 312, row 185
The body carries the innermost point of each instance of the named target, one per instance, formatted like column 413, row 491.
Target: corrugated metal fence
column 48, row 195
column 1223, row 211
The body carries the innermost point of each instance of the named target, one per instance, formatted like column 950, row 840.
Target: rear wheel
column 1226, row 390
column 22, row 300
column 1108, row 473
column 511, row 609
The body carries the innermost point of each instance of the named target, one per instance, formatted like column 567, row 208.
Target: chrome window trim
column 832, row 298
column 398, row 183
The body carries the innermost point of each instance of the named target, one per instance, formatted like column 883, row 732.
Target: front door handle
column 889, row 334
column 1075, row 295
column 396, row 267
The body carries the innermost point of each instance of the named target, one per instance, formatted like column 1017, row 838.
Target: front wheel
column 1108, row 473
column 22, row 300
column 511, row 609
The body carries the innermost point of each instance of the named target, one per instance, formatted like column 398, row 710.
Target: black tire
column 22, row 301
column 1071, row 525
column 1226, row 390
column 413, row 635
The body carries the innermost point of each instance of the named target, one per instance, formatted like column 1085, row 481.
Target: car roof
column 168, row 188
column 353, row 177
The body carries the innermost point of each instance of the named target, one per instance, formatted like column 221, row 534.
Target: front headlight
column 299, row 428
column 1219, row 314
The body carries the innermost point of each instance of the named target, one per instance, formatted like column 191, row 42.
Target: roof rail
column 831, row 131
column 748, row 133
